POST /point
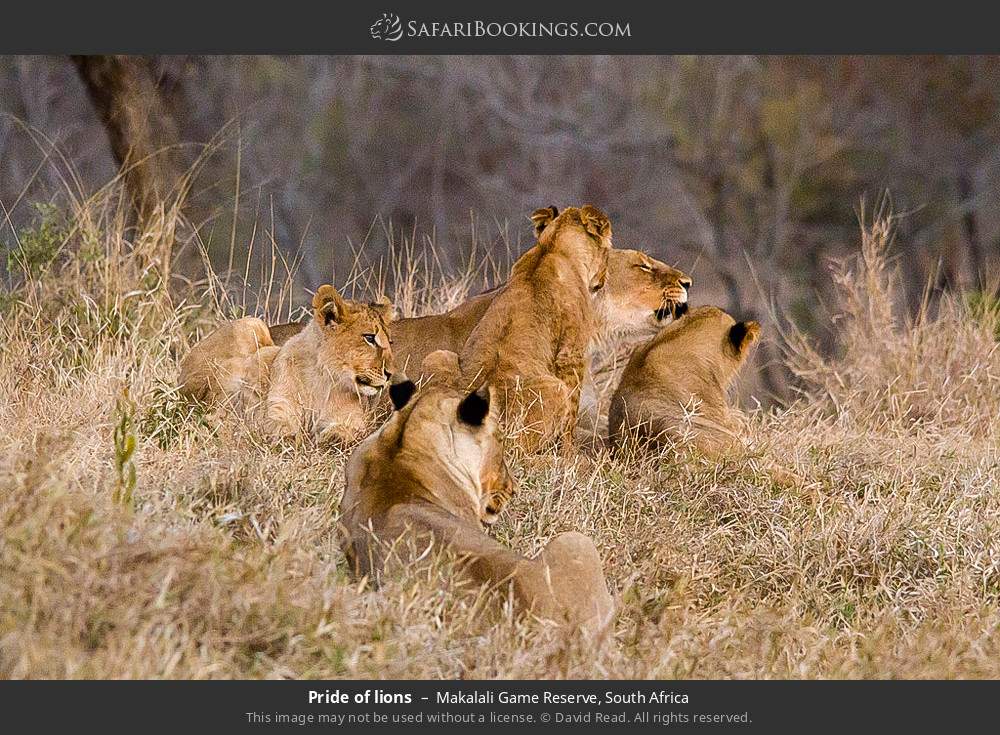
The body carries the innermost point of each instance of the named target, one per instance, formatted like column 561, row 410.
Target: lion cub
column 431, row 473
column 317, row 382
column 532, row 342
column 231, row 364
column 674, row 386
column 320, row 378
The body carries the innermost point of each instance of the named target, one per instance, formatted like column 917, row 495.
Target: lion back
column 222, row 364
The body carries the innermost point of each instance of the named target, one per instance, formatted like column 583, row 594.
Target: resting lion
column 317, row 382
column 320, row 378
column 532, row 343
column 641, row 292
column 430, row 474
column 231, row 364
column 674, row 387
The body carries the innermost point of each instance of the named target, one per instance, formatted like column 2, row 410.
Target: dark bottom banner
column 589, row 706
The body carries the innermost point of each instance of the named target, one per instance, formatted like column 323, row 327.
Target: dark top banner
column 446, row 26
column 511, row 706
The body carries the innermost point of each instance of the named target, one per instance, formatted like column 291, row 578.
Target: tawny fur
column 230, row 364
column 641, row 293
column 429, row 475
column 532, row 342
column 322, row 377
column 674, row 387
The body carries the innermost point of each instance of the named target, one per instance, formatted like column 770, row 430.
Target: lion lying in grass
column 532, row 342
column 674, row 387
column 431, row 474
column 233, row 363
column 320, row 376
column 316, row 383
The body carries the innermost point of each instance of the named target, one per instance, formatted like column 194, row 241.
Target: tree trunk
column 971, row 227
column 141, row 131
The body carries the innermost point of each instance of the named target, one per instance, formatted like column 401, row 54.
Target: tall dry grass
column 220, row 559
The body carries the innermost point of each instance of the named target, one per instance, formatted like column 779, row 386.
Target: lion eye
column 644, row 267
column 370, row 339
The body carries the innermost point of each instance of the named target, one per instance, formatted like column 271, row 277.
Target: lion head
column 455, row 434
column 581, row 233
column 353, row 345
column 709, row 335
column 642, row 292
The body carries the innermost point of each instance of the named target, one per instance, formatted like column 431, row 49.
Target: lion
column 230, row 364
column 642, row 296
column 320, row 379
column 431, row 474
column 414, row 338
column 532, row 342
column 641, row 293
column 673, row 389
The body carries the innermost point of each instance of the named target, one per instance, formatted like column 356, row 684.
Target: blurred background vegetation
column 745, row 171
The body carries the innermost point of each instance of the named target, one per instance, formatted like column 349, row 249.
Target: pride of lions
column 503, row 371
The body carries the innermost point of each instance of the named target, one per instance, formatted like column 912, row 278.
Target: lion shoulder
column 414, row 338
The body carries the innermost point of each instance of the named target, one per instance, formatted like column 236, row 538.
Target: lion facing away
column 431, row 474
column 320, row 379
column 674, row 386
column 532, row 342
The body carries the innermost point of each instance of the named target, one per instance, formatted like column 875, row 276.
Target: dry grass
column 222, row 561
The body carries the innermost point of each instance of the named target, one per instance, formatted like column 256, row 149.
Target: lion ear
column 475, row 407
column 384, row 307
column 541, row 218
column 401, row 390
column 329, row 306
column 595, row 222
column 742, row 335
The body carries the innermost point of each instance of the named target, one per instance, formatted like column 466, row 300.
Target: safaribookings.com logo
column 390, row 28
column 387, row 28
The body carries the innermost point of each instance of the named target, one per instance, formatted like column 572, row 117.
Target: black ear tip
column 554, row 209
column 401, row 392
column 737, row 333
column 475, row 407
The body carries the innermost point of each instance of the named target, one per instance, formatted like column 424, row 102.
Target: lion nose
column 388, row 373
column 686, row 283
